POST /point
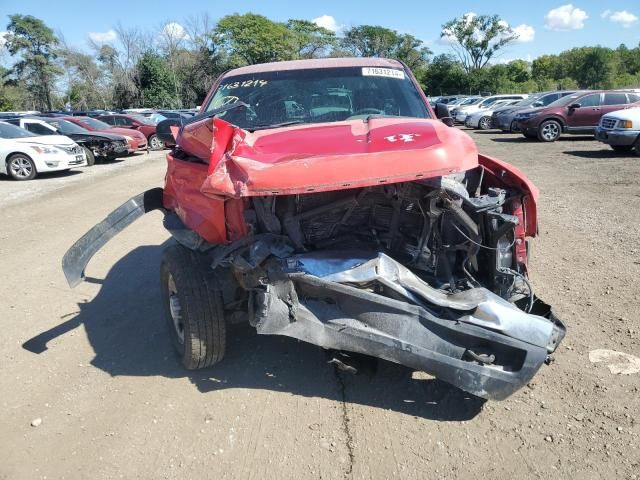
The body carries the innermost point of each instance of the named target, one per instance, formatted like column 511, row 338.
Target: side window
column 547, row 99
column 108, row 120
column 633, row 98
column 38, row 129
column 615, row 99
column 122, row 121
column 589, row 100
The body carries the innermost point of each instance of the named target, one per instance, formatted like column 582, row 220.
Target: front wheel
column 485, row 123
column 91, row 158
column 622, row 148
column 549, row 131
column 21, row 167
column 193, row 307
column 155, row 143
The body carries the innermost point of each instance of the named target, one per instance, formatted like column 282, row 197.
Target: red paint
column 137, row 138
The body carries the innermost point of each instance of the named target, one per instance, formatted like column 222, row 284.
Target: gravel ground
column 91, row 388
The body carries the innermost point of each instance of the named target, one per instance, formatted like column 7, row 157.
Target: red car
column 136, row 140
column 325, row 201
column 144, row 125
column 578, row 113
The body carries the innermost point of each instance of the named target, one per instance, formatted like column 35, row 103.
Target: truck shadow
column 124, row 324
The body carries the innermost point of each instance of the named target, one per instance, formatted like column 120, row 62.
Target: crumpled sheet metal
column 481, row 306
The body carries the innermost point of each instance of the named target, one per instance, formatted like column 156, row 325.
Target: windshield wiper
column 274, row 125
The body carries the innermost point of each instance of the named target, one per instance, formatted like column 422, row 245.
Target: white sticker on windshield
column 382, row 72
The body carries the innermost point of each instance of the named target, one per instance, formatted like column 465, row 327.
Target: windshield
column 145, row 120
column 11, row 131
column 94, row 124
column 65, row 127
column 318, row 95
column 564, row 101
column 471, row 101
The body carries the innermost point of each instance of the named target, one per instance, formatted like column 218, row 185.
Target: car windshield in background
column 65, row 127
column 317, row 96
column 11, row 131
column 145, row 120
column 564, row 101
column 95, row 124
column 530, row 100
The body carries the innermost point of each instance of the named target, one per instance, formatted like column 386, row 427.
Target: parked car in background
column 23, row 155
column 137, row 122
column 578, row 113
column 461, row 113
column 504, row 118
column 620, row 130
column 96, row 145
column 136, row 140
column 175, row 114
column 482, row 118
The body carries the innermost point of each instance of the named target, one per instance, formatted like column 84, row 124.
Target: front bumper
column 474, row 340
column 502, row 122
column 460, row 117
column 617, row 137
column 56, row 163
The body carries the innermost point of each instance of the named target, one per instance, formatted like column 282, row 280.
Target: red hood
column 320, row 157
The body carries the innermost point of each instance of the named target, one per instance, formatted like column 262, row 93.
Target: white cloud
column 624, row 18
column 606, row 14
column 526, row 33
column 103, row 37
column 175, row 31
column 565, row 18
column 328, row 22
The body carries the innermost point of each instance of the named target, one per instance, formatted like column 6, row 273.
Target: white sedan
column 23, row 155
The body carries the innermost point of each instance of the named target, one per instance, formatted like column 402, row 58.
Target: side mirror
column 538, row 104
column 442, row 111
column 163, row 130
column 575, row 105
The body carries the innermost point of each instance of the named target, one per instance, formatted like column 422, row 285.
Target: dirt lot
column 93, row 368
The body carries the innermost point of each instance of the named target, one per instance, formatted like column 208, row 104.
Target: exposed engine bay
column 394, row 271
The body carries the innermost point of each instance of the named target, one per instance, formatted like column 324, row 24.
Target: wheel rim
column 21, row 167
column 175, row 309
column 154, row 142
column 550, row 131
column 485, row 123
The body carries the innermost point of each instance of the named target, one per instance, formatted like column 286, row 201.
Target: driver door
column 589, row 113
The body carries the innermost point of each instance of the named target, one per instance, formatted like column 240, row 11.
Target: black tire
column 636, row 147
column 196, row 321
column 21, row 167
column 529, row 135
column 549, row 131
column 622, row 148
column 91, row 158
column 154, row 142
column 484, row 123
column 514, row 127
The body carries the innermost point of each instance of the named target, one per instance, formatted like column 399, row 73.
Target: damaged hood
column 330, row 156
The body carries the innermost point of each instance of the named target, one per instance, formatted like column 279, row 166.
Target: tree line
column 173, row 65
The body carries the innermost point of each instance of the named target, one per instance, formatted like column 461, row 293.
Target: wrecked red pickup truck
column 325, row 201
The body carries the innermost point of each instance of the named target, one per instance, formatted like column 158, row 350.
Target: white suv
column 620, row 130
column 23, row 155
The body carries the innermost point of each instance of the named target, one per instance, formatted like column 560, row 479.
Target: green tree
column 34, row 43
column 445, row 75
column 310, row 40
column 156, row 82
column 476, row 39
column 377, row 41
column 252, row 38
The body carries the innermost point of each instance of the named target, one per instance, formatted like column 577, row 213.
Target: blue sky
column 545, row 26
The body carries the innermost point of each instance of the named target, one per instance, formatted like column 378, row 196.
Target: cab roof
column 316, row 63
